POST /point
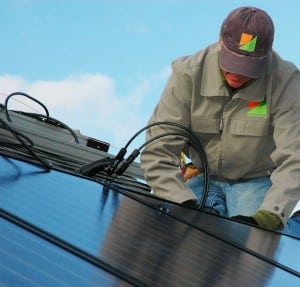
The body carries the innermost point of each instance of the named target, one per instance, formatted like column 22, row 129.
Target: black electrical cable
column 113, row 169
column 46, row 119
column 96, row 166
column 120, row 155
column 195, row 143
column 19, row 137
column 11, row 144
column 25, row 95
column 160, row 123
column 123, row 151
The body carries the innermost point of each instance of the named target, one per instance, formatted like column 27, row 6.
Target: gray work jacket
column 241, row 141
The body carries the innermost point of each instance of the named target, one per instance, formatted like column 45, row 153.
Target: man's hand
column 262, row 218
column 189, row 172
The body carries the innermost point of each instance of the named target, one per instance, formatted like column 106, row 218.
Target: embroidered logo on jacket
column 257, row 108
column 248, row 42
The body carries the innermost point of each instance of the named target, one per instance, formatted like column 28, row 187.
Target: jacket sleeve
column 160, row 159
column 285, row 190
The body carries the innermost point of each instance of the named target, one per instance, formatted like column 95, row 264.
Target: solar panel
column 134, row 239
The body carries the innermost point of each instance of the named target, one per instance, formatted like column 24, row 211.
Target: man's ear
column 220, row 41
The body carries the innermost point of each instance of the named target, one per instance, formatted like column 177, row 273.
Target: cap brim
column 252, row 67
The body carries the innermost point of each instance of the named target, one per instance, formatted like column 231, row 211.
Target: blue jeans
column 232, row 197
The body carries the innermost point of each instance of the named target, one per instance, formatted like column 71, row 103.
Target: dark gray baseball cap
column 246, row 40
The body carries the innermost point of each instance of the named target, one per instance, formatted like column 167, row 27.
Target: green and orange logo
column 257, row 108
column 248, row 42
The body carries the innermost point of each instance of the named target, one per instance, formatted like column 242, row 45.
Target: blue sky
column 100, row 66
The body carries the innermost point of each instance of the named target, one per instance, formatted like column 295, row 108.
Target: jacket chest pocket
column 255, row 127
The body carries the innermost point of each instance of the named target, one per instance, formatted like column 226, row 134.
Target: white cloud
column 89, row 103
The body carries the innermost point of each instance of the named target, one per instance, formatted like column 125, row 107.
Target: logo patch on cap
column 248, row 42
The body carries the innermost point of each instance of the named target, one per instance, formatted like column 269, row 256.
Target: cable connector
column 96, row 166
column 125, row 164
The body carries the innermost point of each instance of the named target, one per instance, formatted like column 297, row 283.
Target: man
column 242, row 101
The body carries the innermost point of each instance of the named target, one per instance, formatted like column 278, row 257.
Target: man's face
column 234, row 80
